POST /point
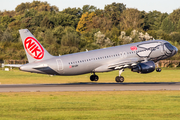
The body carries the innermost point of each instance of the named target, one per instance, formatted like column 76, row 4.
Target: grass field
column 19, row 77
column 114, row 105
column 97, row 105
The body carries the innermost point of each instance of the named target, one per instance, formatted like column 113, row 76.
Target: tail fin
column 34, row 50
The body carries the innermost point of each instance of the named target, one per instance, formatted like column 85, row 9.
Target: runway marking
column 154, row 86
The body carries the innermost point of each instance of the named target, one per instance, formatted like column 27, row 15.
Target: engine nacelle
column 146, row 67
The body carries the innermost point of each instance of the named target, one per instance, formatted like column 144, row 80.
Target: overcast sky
column 146, row 5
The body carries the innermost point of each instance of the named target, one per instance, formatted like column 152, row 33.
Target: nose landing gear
column 158, row 69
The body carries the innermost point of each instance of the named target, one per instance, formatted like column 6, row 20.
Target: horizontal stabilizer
column 13, row 65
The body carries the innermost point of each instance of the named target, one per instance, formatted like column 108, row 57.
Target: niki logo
column 133, row 48
column 34, row 48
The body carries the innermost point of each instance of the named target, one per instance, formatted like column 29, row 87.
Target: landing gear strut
column 94, row 77
column 158, row 69
column 120, row 78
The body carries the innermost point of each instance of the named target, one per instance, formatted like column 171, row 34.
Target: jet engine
column 145, row 67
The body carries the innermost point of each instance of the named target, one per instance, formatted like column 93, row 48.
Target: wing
column 128, row 63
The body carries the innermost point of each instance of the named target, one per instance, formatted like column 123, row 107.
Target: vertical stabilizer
column 34, row 50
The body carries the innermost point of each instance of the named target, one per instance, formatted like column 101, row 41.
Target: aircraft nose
column 172, row 49
column 175, row 50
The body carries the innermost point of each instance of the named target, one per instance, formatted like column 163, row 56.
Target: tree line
column 77, row 29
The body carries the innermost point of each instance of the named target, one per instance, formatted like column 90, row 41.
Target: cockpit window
column 169, row 46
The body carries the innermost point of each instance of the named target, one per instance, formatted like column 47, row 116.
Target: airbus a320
column 139, row 57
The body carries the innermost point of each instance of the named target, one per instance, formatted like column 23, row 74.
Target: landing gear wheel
column 94, row 78
column 119, row 79
column 158, row 69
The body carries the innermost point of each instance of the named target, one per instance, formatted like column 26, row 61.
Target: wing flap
column 124, row 64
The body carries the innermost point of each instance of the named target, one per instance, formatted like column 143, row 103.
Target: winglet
column 34, row 50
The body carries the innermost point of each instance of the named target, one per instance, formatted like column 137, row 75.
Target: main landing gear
column 120, row 78
column 94, row 77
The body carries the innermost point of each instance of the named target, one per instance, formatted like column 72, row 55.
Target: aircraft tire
column 94, row 78
column 158, row 69
column 119, row 79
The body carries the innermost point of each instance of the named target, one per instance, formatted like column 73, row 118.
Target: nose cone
column 171, row 50
column 175, row 50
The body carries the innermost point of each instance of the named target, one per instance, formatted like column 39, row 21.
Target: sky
column 146, row 5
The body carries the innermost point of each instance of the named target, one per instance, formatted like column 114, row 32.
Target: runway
column 91, row 87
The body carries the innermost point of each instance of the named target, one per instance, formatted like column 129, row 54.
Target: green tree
column 175, row 16
column 167, row 25
column 67, row 50
column 36, row 5
column 15, row 25
column 175, row 37
column 100, row 23
column 163, row 35
column 64, row 19
column 26, row 23
column 73, row 11
column 113, row 11
column 99, row 12
column 22, row 7
column 30, row 13
column 152, row 33
column 88, row 8
column 70, row 37
column 47, row 23
column 37, row 18
column 113, row 35
column 130, row 18
column 5, row 20
column 49, row 38
column 87, row 38
column 58, row 33
column 178, row 26
column 153, row 20
column 7, row 36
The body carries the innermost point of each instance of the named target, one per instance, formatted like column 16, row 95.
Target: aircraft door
column 59, row 65
column 161, row 49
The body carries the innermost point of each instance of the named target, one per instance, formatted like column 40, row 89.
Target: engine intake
column 146, row 67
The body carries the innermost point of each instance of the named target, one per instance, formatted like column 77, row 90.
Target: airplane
column 140, row 57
